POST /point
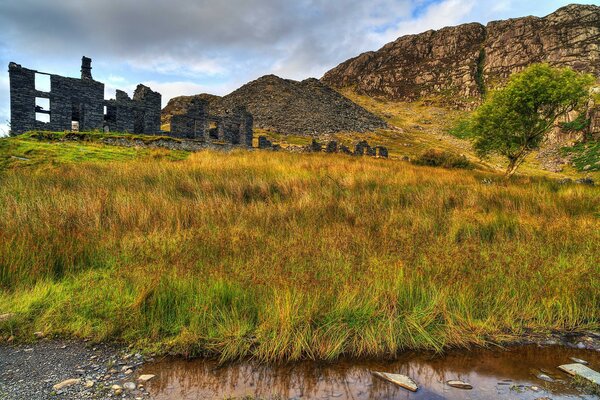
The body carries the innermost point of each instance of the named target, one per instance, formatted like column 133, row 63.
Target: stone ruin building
column 79, row 104
column 234, row 126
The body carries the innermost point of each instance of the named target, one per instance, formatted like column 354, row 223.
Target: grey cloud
column 303, row 33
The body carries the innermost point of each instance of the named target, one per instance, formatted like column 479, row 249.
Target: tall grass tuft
column 291, row 256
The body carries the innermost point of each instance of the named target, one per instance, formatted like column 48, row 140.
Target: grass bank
column 48, row 149
column 284, row 256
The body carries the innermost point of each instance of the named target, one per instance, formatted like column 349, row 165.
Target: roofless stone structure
column 71, row 104
column 78, row 104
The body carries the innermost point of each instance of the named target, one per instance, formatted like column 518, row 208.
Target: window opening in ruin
column 110, row 93
column 42, row 104
column 42, row 109
column 105, row 111
column 42, row 82
column 213, row 130
column 42, row 117
column 75, row 117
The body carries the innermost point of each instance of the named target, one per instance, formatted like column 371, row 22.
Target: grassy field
column 48, row 149
column 285, row 256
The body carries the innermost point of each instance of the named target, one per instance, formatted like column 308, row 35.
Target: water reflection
column 497, row 374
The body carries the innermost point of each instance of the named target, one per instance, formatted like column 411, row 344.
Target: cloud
column 169, row 90
column 216, row 46
column 436, row 16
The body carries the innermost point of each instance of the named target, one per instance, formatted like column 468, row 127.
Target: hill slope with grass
column 284, row 256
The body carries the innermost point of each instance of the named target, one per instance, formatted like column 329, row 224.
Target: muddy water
column 495, row 374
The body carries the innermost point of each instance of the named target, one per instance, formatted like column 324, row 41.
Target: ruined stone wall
column 246, row 127
column 76, row 99
column 193, row 124
column 119, row 113
column 80, row 100
column 147, row 110
column 22, row 98
column 70, row 99
column 236, row 126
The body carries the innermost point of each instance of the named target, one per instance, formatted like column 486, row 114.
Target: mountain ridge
column 463, row 61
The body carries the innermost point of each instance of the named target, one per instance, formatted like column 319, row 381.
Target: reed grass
column 282, row 256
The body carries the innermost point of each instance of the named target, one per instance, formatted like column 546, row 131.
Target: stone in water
column 582, row 371
column 460, row 385
column 578, row 360
column 397, row 379
column 544, row 377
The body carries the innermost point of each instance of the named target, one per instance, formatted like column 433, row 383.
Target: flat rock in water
column 578, row 360
column 582, row 371
column 397, row 379
column 460, row 385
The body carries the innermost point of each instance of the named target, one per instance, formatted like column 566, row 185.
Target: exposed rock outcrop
column 288, row 107
column 461, row 62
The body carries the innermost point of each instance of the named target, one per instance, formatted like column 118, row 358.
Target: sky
column 184, row 47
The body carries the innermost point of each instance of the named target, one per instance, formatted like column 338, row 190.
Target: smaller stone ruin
column 264, row 143
column 362, row 148
column 331, row 147
column 234, row 126
column 315, row 146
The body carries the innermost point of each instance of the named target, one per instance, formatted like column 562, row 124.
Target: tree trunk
column 512, row 167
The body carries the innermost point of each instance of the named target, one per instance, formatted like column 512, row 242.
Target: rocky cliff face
column 289, row 107
column 462, row 61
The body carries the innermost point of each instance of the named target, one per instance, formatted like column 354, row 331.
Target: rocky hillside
column 463, row 61
column 289, row 107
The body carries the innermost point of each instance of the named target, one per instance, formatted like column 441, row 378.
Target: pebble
column 6, row 316
column 66, row 383
column 146, row 377
column 129, row 386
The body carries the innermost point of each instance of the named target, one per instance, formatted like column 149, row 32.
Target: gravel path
column 31, row 371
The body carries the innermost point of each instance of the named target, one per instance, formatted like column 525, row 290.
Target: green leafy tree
column 514, row 120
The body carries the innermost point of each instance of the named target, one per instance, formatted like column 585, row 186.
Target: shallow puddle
column 494, row 374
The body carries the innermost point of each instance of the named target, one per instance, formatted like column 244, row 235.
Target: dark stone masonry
column 361, row 148
column 79, row 105
column 234, row 126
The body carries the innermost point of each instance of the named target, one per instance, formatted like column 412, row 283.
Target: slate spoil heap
column 288, row 107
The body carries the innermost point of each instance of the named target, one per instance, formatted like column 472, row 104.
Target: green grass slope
column 285, row 256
